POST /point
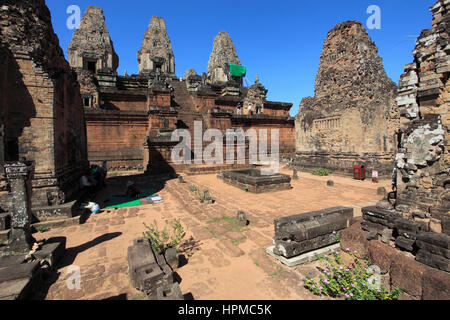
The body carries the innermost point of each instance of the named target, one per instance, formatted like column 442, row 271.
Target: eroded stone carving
column 156, row 51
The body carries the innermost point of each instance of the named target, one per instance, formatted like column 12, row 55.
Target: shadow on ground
column 71, row 253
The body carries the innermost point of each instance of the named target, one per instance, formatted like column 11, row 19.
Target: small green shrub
column 204, row 196
column 171, row 236
column 41, row 229
column 339, row 281
column 321, row 172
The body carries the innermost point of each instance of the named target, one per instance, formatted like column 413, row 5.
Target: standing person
column 394, row 180
column 393, row 193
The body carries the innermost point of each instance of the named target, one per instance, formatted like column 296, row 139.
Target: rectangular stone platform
column 252, row 180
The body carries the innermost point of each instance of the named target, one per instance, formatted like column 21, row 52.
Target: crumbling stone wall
column 423, row 157
column 352, row 116
column 41, row 103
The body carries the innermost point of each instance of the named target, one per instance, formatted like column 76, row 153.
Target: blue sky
column 280, row 41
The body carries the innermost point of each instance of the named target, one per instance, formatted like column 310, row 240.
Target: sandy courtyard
column 222, row 260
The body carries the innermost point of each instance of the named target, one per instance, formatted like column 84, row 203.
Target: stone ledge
column 303, row 258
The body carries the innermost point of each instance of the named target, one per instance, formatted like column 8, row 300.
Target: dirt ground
column 221, row 260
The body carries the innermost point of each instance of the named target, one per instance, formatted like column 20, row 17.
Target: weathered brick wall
column 117, row 137
column 41, row 100
column 123, row 101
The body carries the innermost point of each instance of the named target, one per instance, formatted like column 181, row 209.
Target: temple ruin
column 58, row 117
column 130, row 119
column 352, row 118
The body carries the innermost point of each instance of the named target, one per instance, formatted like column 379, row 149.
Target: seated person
column 102, row 172
column 133, row 191
column 87, row 182
column 98, row 176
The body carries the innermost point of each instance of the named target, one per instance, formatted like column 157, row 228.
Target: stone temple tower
column 223, row 53
column 156, row 51
column 91, row 47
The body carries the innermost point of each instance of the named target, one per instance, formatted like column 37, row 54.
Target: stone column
column 19, row 175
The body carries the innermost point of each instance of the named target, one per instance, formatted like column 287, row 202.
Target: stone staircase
column 187, row 114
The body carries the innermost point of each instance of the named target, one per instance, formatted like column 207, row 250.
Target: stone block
column 331, row 219
column 435, row 285
column 386, row 235
column 66, row 210
column 433, row 260
column 371, row 226
column 15, row 289
column 406, row 274
column 52, row 251
column 405, row 243
column 19, row 271
column 171, row 256
column 148, row 270
column 302, row 258
column 147, row 278
column 381, row 191
column 373, row 235
column 380, row 216
column 381, row 254
column 354, row 238
column 437, row 239
column 169, row 292
column 289, row 249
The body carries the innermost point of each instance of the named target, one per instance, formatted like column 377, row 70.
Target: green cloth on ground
column 123, row 201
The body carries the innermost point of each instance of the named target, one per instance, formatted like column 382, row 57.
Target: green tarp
column 121, row 201
column 238, row 71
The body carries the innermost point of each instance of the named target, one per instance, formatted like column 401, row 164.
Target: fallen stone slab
column 15, row 289
column 19, row 271
column 287, row 222
column 302, row 258
column 8, row 261
column 51, row 251
column 298, row 234
column 290, row 249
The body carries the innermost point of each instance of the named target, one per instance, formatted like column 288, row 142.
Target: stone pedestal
column 19, row 176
